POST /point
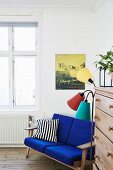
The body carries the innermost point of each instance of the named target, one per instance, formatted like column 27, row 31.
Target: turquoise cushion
column 38, row 144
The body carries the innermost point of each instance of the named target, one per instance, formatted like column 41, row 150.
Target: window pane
column 25, row 81
column 3, row 38
column 4, row 81
column 24, row 39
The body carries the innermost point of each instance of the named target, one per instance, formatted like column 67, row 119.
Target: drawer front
column 94, row 167
column 103, row 151
column 104, row 122
column 104, row 103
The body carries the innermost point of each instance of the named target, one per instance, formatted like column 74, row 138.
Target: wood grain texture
column 105, row 123
column 104, row 128
column 15, row 159
column 106, row 91
column 104, row 103
column 104, row 150
column 94, row 167
column 86, row 146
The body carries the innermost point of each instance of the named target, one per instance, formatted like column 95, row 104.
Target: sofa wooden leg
column 77, row 165
column 27, row 154
column 84, row 154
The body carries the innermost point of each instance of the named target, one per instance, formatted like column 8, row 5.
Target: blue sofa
column 73, row 134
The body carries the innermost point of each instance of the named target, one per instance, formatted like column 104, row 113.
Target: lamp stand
column 92, row 114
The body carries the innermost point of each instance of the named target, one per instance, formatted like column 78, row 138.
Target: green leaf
column 105, row 62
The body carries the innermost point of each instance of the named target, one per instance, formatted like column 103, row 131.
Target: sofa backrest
column 64, row 128
column 80, row 132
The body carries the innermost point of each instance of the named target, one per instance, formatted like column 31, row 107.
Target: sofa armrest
column 84, row 149
column 86, row 145
column 30, row 130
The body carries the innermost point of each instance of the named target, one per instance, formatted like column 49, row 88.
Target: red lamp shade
column 74, row 102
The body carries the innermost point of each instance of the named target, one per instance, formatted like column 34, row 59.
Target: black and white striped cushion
column 47, row 129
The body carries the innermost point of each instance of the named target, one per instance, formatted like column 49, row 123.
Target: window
column 18, row 55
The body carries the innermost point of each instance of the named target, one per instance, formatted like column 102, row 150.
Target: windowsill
column 34, row 109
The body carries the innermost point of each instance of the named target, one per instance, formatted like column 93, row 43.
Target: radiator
column 12, row 129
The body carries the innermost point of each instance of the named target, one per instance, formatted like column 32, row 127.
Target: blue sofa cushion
column 80, row 132
column 38, row 144
column 64, row 128
column 64, row 153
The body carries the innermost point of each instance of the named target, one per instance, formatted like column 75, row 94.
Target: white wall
column 88, row 32
column 104, row 27
column 68, row 31
column 63, row 33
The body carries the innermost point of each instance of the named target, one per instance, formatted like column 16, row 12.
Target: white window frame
column 11, row 57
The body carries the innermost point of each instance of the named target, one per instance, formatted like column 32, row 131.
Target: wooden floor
column 14, row 159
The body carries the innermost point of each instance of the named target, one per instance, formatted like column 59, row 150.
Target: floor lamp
column 80, row 103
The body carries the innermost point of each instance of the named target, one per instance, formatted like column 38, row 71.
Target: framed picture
column 66, row 67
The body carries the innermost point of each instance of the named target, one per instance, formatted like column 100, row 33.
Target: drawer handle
column 110, row 106
column 109, row 154
column 95, row 137
column 110, row 128
column 96, row 117
column 96, row 157
column 97, row 100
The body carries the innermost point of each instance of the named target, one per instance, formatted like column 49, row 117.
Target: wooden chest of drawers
column 104, row 129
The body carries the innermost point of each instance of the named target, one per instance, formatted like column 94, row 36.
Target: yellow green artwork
column 67, row 66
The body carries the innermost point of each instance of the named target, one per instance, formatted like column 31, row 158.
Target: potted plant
column 106, row 62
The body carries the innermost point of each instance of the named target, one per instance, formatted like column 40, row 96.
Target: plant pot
column 105, row 78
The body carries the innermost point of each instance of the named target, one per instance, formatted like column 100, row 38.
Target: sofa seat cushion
column 64, row 127
column 64, row 153
column 38, row 144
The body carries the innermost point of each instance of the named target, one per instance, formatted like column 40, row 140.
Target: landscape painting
column 67, row 66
